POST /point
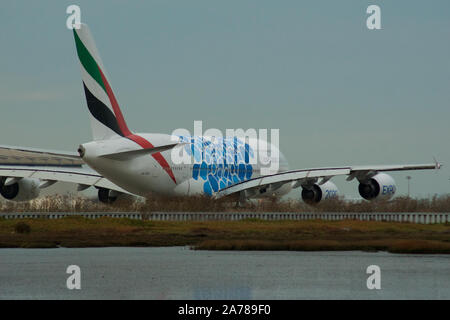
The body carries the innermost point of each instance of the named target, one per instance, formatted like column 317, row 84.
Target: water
column 180, row 273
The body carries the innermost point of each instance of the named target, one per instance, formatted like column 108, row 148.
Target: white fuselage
column 199, row 165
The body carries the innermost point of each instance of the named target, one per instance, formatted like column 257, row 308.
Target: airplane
column 118, row 161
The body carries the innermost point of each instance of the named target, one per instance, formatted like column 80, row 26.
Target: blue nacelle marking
column 380, row 186
column 316, row 193
column 331, row 194
column 388, row 190
column 329, row 190
column 386, row 184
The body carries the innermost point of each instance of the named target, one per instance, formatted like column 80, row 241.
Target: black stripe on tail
column 101, row 112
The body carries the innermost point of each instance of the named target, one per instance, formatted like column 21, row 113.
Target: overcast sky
column 339, row 93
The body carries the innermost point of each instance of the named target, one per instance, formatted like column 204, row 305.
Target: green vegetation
column 251, row 234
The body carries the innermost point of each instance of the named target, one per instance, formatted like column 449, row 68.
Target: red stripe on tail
column 127, row 133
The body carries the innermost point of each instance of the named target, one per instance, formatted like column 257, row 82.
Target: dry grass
column 250, row 234
column 60, row 203
column 398, row 204
column 65, row 203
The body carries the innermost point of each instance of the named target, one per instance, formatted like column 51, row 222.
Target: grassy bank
column 227, row 235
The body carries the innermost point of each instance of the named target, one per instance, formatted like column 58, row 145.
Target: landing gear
column 241, row 201
column 106, row 195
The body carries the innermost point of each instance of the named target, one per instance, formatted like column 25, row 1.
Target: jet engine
column 380, row 186
column 315, row 193
column 19, row 189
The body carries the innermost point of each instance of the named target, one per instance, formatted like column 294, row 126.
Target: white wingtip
column 437, row 164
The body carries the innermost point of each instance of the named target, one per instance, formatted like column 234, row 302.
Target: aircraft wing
column 82, row 176
column 309, row 176
column 34, row 157
column 50, row 167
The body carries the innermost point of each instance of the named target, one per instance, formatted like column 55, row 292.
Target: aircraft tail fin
column 107, row 120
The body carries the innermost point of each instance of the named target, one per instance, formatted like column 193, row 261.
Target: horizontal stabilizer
column 127, row 155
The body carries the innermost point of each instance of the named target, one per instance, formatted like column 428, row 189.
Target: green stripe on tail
column 88, row 62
